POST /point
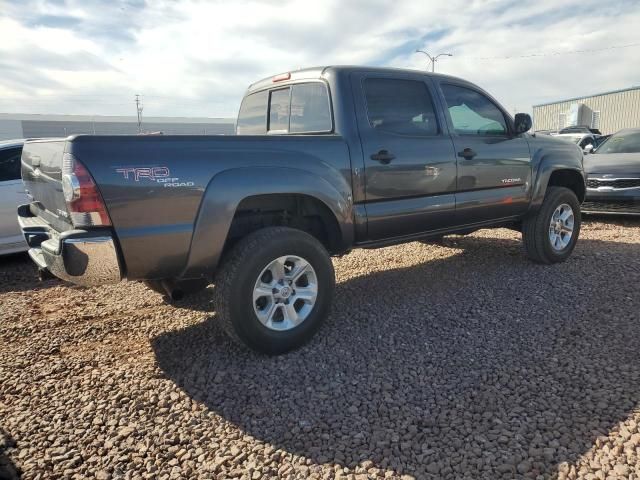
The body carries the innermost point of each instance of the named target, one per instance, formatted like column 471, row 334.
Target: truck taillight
column 84, row 202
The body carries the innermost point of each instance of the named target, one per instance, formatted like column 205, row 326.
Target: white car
column 12, row 194
column 583, row 140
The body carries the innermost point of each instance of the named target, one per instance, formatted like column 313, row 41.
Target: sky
column 196, row 58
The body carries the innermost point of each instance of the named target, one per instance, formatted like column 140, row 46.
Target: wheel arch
column 557, row 167
column 570, row 179
column 298, row 210
column 235, row 191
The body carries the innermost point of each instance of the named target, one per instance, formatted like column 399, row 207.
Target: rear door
column 494, row 164
column 410, row 166
column 12, row 194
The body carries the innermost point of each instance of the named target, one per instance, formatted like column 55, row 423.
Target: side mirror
column 522, row 123
column 588, row 149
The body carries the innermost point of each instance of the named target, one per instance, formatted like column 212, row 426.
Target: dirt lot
column 454, row 361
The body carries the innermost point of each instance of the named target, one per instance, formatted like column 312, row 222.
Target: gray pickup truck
column 325, row 160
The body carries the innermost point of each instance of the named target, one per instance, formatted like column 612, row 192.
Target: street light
column 433, row 59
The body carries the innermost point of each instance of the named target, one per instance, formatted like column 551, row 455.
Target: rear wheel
column 551, row 235
column 274, row 289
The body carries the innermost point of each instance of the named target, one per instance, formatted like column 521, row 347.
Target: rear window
column 310, row 110
column 279, row 111
column 252, row 119
column 299, row 108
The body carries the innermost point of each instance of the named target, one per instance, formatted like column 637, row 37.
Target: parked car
column 12, row 194
column 586, row 141
column 580, row 129
column 325, row 160
column 613, row 175
column 600, row 140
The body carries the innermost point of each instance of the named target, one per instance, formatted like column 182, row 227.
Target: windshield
column 623, row 142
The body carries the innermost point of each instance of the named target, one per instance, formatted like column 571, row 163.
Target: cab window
column 252, row 119
column 402, row 107
column 472, row 113
column 299, row 108
column 310, row 110
column 279, row 111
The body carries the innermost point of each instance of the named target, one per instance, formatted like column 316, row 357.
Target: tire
column 247, row 286
column 538, row 230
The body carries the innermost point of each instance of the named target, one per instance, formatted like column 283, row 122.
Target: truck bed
column 153, row 186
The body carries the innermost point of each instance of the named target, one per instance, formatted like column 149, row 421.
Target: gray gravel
column 454, row 361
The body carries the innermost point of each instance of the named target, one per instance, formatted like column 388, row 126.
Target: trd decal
column 137, row 173
column 161, row 175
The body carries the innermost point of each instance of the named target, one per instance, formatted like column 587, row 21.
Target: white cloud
column 197, row 57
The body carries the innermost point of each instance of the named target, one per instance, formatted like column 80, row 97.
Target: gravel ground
column 454, row 361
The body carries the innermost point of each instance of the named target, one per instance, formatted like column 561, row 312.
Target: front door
column 494, row 164
column 410, row 165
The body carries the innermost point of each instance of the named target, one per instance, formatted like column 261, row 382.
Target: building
column 608, row 111
column 16, row 125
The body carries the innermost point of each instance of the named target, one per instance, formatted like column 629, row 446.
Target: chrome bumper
column 82, row 257
column 83, row 261
column 624, row 201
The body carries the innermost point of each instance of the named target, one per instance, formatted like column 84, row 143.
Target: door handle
column 467, row 153
column 383, row 156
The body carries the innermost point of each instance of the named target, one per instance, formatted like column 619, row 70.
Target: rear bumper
column 78, row 256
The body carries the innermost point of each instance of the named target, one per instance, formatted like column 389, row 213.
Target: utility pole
column 139, row 112
column 434, row 58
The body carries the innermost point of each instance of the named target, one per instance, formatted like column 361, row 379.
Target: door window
column 10, row 164
column 403, row 107
column 472, row 113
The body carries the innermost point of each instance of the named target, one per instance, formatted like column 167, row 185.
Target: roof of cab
column 314, row 73
column 305, row 73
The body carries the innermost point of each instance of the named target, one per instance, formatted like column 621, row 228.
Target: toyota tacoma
column 324, row 160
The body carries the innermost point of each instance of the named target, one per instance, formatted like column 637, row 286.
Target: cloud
column 197, row 57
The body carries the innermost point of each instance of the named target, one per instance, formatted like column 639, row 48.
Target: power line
column 553, row 54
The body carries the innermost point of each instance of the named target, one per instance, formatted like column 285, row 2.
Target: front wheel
column 551, row 234
column 274, row 289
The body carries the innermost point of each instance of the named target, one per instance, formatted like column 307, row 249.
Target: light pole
column 433, row 59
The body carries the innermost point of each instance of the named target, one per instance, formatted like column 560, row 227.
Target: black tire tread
column 230, row 266
column 535, row 228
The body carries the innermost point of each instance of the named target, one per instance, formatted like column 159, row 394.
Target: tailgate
column 42, row 176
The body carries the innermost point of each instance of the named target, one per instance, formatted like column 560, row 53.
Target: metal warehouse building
column 15, row 125
column 608, row 111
